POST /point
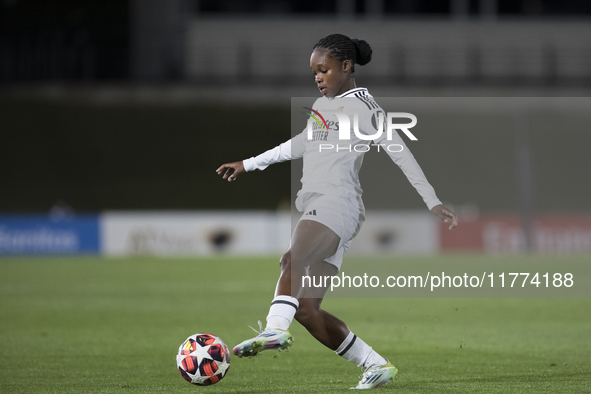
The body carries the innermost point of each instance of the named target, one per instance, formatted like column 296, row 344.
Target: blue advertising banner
column 41, row 234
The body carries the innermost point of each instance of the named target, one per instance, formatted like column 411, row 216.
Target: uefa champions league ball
column 203, row 359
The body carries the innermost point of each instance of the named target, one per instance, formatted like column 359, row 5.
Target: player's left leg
column 325, row 327
column 334, row 334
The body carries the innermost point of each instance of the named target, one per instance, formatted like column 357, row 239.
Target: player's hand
column 230, row 171
column 446, row 215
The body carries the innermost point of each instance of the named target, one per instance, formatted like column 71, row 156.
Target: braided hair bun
column 363, row 52
column 343, row 48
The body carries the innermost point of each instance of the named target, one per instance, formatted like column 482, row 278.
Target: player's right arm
column 230, row 171
column 289, row 150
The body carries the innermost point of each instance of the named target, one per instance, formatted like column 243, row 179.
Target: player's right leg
column 267, row 339
column 312, row 242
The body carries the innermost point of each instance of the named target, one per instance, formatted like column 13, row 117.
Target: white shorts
column 342, row 215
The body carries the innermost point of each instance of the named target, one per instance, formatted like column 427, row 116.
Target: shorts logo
column 313, row 213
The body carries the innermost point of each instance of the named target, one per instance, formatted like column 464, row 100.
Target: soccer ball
column 203, row 359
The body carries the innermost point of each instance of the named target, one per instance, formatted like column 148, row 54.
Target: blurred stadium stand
column 407, row 53
column 459, row 43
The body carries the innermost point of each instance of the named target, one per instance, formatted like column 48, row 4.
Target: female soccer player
column 333, row 210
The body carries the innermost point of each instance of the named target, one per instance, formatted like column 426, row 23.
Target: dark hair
column 343, row 48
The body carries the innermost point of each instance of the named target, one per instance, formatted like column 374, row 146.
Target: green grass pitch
column 96, row 325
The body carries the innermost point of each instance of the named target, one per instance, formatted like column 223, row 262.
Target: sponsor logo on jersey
column 315, row 118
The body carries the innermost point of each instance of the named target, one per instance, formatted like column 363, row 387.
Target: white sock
column 358, row 352
column 282, row 311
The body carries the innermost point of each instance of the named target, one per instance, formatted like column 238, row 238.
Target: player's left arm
column 445, row 214
column 413, row 172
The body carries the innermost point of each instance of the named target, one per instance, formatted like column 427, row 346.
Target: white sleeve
column 289, row 150
column 409, row 166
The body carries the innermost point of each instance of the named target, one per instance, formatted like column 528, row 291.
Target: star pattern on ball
column 201, row 352
column 223, row 367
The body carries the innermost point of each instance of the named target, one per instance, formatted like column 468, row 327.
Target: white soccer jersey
column 335, row 171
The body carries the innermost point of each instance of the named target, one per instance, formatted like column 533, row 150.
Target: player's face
column 332, row 76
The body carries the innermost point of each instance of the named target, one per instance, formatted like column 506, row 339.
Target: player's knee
column 299, row 259
column 285, row 261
